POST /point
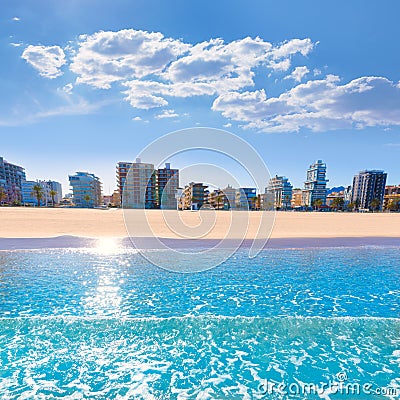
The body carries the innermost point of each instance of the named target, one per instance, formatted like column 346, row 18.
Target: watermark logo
column 339, row 385
column 192, row 241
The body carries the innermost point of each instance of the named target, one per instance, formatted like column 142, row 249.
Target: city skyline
column 281, row 76
column 144, row 185
column 188, row 180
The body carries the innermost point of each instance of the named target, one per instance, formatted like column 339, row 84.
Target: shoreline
column 76, row 242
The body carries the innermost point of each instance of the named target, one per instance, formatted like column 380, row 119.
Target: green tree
column 219, row 200
column 393, row 205
column 53, row 193
column 375, row 204
column 352, row 206
column 87, row 198
column 317, row 203
column 338, row 203
column 37, row 191
column 3, row 195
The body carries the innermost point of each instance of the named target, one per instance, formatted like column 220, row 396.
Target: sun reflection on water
column 108, row 246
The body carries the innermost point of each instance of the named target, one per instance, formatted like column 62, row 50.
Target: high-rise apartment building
column 369, row 189
column 48, row 187
column 28, row 195
column 391, row 199
column 279, row 191
column 137, row 184
column 57, row 188
column 86, row 189
column 11, row 178
column 167, row 182
column 315, row 185
column 246, row 198
column 230, row 196
column 194, row 195
column 296, row 198
column 217, row 199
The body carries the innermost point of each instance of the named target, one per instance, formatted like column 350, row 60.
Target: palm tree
column 375, row 203
column 219, row 199
column 393, row 205
column 3, row 195
column 53, row 193
column 317, row 203
column 352, row 206
column 87, row 199
column 37, row 191
column 338, row 203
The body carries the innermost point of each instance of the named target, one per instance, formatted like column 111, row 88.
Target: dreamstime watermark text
column 341, row 385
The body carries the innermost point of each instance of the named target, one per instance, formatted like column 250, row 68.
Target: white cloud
column 317, row 72
column 290, row 47
column 317, row 105
column 107, row 57
column 227, row 125
column 204, row 68
column 153, row 67
column 283, row 65
column 140, row 94
column 153, row 70
column 298, row 74
column 46, row 59
column 167, row 114
column 215, row 61
column 67, row 88
column 16, row 44
column 16, row 19
column 137, row 118
column 212, row 68
column 177, row 69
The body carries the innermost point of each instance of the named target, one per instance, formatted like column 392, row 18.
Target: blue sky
column 86, row 84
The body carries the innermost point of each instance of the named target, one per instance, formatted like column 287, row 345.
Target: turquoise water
column 85, row 324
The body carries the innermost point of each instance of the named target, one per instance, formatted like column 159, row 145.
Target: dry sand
column 47, row 222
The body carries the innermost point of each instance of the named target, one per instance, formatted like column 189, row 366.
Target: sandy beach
column 48, row 222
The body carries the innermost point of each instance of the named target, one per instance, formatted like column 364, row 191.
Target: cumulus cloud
column 153, row 67
column 46, row 59
column 176, row 68
column 214, row 67
column 153, row 70
column 167, row 114
column 107, row 57
column 298, row 74
column 290, row 47
column 317, row 105
column 282, row 65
